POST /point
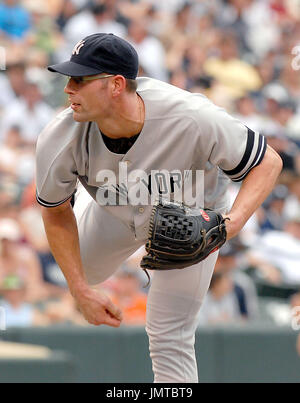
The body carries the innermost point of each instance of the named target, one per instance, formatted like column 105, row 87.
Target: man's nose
column 69, row 88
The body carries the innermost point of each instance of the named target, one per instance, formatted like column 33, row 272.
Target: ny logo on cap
column 77, row 47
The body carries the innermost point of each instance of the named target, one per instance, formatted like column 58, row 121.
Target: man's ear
column 118, row 85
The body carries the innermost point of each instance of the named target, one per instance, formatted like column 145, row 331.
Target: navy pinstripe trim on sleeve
column 257, row 159
column 255, row 150
column 44, row 203
column 246, row 156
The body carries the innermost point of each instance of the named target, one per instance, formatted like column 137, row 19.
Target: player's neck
column 126, row 119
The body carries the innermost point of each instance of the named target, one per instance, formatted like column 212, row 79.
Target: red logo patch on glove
column 204, row 215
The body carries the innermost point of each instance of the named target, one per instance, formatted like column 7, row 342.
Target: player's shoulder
column 62, row 129
column 194, row 105
column 156, row 87
column 62, row 117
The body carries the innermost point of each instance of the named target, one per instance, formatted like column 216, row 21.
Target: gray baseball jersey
column 183, row 132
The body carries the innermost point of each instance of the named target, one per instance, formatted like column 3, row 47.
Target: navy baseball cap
column 100, row 53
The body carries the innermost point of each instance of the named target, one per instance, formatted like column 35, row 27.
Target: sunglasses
column 79, row 80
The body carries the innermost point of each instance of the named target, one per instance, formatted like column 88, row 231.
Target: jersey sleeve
column 231, row 145
column 254, row 150
column 56, row 174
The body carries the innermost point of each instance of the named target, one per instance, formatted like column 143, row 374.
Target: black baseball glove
column 180, row 236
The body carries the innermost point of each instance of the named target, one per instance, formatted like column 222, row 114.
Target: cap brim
column 73, row 69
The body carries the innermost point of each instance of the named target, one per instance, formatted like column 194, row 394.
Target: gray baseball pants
column 174, row 298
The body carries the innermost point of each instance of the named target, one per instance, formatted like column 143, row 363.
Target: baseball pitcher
column 129, row 145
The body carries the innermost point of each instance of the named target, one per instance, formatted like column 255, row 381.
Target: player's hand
column 97, row 308
column 232, row 228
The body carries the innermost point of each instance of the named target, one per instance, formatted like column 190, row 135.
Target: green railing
column 261, row 353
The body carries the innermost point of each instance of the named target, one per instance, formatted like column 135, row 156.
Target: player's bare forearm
column 254, row 190
column 62, row 233
column 61, row 229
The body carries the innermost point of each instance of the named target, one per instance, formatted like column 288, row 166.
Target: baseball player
column 116, row 120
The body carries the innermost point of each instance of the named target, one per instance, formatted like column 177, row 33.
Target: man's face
column 89, row 100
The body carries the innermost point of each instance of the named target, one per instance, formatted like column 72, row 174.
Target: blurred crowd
column 242, row 54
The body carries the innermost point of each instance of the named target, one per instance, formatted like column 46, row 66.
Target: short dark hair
column 131, row 85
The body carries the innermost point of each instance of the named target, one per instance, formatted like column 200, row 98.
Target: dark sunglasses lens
column 77, row 80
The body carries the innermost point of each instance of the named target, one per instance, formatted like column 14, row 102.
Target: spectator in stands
column 127, row 294
column 30, row 109
column 16, row 159
column 271, row 216
column 95, row 18
column 11, row 151
column 7, row 94
column 237, row 76
column 292, row 201
column 279, row 252
column 224, row 302
column 67, row 10
column 246, row 111
column 44, row 33
column 289, row 77
column 15, row 73
column 267, row 68
column 14, row 20
column 232, row 261
column 150, row 50
column 261, row 22
column 20, row 260
column 18, row 312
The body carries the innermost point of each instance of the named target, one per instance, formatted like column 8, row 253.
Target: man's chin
column 79, row 118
